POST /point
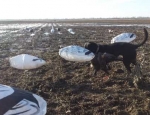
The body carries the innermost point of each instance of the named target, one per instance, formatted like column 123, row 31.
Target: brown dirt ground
column 69, row 88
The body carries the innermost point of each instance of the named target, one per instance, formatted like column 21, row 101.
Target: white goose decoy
column 32, row 35
column 59, row 33
column 46, row 34
column 110, row 31
column 124, row 37
column 71, row 31
column 26, row 103
column 28, row 29
column 76, row 53
column 52, row 30
column 25, row 61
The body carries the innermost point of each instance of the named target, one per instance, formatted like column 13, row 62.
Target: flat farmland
column 69, row 87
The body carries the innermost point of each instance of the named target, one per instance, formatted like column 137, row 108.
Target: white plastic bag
column 76, row 53
column 25, row 61
column 124, row 37
column 15, row 101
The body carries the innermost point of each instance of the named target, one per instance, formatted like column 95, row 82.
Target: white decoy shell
column 25, row 61
column 59, row 33
column 32, row 35
column 124, row 37
column 71, row 31
column 46, row 34
column 76, row 53
column 52, row 30
column 20, row 102
column 5, row 91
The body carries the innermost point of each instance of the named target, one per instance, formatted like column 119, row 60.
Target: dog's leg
column 127, row 65
column 102, row 58
column 108, row 67
column 104, row 67
column 95, row 68
column 105, row 70
column 95, row 72
column 134, row 62
column 137, row 69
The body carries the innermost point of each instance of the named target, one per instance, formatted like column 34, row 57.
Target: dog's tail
column 145, row 39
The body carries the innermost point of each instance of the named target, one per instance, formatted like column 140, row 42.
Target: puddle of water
column 18, row 26
column 106, row 24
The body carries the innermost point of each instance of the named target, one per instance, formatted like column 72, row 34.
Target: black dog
column 101, row 60
column 127, row 50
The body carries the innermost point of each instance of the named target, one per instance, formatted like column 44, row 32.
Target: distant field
column 107, row 20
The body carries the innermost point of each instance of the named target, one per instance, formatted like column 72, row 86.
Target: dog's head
column 93, row 47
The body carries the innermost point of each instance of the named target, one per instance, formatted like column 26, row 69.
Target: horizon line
column 76, row 18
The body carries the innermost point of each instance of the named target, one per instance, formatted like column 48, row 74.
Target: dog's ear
column 91, row 46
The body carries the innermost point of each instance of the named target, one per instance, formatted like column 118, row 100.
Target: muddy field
column 69, row 87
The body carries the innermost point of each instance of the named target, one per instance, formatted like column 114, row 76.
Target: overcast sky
column 60, row 9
